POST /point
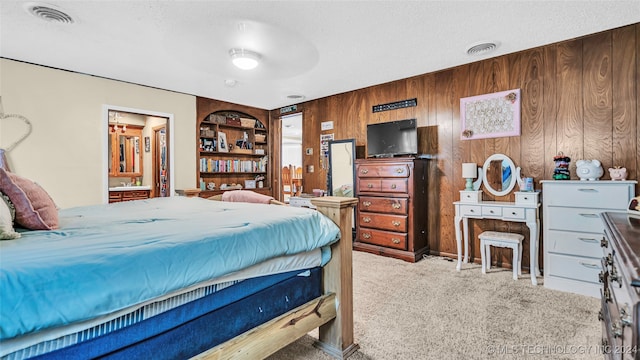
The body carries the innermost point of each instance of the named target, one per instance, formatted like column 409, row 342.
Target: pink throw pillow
column 35, row 209
column 246, row 196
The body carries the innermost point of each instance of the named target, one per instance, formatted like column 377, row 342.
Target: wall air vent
column 481, row 48
column 48, row 13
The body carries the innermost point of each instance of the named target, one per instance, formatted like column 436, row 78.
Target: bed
column 156, row 279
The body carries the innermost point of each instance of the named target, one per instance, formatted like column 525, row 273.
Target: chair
column 504, row 240
column 296, row 180
column 287, row 187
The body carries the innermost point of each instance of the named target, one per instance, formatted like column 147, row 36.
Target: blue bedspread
column 108, row 257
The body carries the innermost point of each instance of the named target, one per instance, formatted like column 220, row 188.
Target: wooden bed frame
column 332, row 312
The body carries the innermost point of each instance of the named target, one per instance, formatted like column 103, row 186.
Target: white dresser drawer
column 492, row 211
column 514, row 213
column 527, row 197
column 587, row 194
column 471, row 210
column 573, row 243
column 572, row 267
column 574, row 219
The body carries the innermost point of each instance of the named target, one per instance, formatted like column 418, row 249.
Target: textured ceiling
column 309, row 48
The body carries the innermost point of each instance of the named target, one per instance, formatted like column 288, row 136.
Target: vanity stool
column 505, row 240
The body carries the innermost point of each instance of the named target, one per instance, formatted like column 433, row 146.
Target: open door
column 160, row 162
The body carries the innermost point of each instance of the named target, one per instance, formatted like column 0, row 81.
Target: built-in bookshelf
column 233, row 152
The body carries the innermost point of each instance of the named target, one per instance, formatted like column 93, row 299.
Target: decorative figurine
column 589, row 169
column 618, row 173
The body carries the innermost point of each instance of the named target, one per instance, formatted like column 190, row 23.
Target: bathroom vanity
column 129, row 193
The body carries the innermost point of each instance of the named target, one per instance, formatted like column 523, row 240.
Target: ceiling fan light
column 244, row 59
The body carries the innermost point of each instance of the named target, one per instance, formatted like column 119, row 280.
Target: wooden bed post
column 336, row 336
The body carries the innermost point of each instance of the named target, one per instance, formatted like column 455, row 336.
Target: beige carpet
column 428, row 310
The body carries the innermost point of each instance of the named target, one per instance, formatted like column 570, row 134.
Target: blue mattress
column 199, row 325
column 108, row 257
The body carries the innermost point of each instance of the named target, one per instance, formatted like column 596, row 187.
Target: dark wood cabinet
column 128, row 195
column 620, row 286
column 392, row 207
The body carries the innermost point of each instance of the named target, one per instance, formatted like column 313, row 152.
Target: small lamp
column 469, row 172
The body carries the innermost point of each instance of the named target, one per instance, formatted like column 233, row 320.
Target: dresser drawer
column 527, row 197
column 381, row 204
column 383, row 238
column 135, row 194
column 383, row 221
column 514, row 213
column 573, row 243
column 369, row 185
column 602, row 196
column 574, row 219
column 394, row 185
column 492, row 211
column 572, row 267
column 470, row 210
column 391, row 170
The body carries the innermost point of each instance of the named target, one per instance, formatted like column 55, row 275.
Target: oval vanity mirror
column 500, row 174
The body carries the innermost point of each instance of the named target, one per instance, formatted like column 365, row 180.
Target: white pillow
column 6, row 221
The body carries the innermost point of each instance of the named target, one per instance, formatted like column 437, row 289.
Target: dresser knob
column 366, row 236
column 604, row 243
column 393, row 186
column 369, row 186
column 364, row 171
column 366, row 219
column 616, row 329
column 614, row 275
column 513, row 213
column 490, row 211
column 396, row 205
column 625, row 316
column 399, row 170
column 395, row 223
column 395, row 241
column 366, row 203
column 609, row 259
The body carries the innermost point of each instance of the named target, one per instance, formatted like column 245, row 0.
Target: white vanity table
column 525, row 210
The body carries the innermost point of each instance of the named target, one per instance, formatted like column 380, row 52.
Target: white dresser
column 573, row 230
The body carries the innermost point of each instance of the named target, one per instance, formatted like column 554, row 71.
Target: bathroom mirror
column 341, row 167
column 126, row 153
column 499, row 174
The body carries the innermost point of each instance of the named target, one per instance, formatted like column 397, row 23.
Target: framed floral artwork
column 490, row 115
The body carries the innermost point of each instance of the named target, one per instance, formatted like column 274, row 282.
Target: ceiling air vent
column 481, row 48
column 48, row 13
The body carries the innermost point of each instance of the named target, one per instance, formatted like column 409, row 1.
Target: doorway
column 291, row 179
column 160, row 163
column 155, row 145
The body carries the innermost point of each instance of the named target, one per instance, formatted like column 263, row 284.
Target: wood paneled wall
column 579, row 97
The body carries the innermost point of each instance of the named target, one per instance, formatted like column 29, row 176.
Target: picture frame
column 223, row 145
column 249, row 184
column 490, row 115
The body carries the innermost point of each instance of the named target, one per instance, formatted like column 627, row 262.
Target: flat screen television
column 393, row 138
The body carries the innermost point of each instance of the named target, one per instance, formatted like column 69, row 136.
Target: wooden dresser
column 392, row 207
column 620, row 286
